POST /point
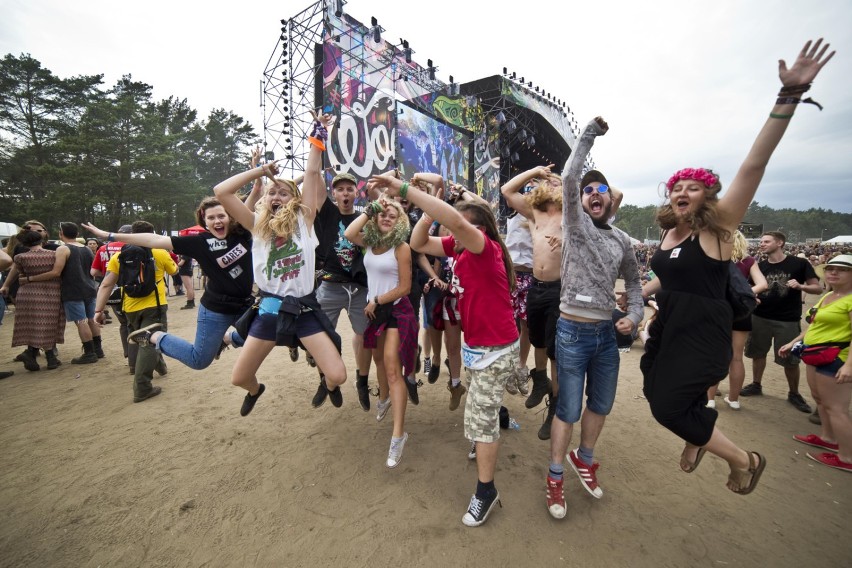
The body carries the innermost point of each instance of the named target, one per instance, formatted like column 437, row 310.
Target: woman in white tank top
column 392, row 333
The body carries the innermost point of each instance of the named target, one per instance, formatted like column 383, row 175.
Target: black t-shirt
column 339, row 259
column 779, row 302
column 77, row 282
column 227, row 265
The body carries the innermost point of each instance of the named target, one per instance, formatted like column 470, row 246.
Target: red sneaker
column 588, row 474
column 831, row 460
column 817, row 442
column 555, row 498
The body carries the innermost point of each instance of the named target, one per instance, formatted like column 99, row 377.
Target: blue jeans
column 586, row 355
column 210, row 328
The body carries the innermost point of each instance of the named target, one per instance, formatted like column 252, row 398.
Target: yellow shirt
column 831, row 324
column 163, row 263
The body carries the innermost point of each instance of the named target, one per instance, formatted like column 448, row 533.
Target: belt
column 543, row 284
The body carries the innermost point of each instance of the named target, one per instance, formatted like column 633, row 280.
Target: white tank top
column 382, row 272
column 286, row 267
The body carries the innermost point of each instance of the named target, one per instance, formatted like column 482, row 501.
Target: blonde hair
column 543, row 195
column 740, row 250
column 284, row 222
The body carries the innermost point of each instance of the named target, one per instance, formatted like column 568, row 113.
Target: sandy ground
column 91, row 479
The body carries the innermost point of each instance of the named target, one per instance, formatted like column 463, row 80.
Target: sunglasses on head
column 588, row 190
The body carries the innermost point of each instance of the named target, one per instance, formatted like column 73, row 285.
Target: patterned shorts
column 485, row 395
column 523, row 281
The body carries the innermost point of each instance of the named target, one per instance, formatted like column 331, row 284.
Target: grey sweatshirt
column 592, row 257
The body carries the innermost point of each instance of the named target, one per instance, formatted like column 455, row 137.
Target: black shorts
column 542, row 315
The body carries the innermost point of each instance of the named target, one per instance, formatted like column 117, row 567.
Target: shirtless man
column 543, row 208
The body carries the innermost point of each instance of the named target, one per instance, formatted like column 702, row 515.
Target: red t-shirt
column 103, row 255
column 485, row 305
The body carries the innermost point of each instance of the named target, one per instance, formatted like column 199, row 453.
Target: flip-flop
column 755, row 470
column 690, row 467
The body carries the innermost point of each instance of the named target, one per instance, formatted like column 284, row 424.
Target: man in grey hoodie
column 594, row 255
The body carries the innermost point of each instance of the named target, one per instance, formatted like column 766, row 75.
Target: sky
column 681, row 84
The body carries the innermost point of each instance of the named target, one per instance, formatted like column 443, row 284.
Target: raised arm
column 314, row 191
column 796, row 81
column 422, row 242
column 467, row 234
column 572, row 209
column 512, row 189
column 149, row 240
column 226, row 192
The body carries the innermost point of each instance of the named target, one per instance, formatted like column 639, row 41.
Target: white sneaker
column 395, row 451
column 382, row 406
column 734, row 404
column 711, row 404
column 471, row 455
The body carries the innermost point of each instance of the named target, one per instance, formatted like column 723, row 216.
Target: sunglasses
column 588, row 190
column 811, row 315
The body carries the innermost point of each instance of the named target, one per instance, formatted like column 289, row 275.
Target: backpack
column 137, row 272
column 739, row 293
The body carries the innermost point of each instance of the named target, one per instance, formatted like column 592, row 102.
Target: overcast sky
column 681, row 84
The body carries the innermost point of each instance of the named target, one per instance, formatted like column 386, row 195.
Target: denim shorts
column 265, row 326
column 830, row 369
column 78, row 310
column 586, row 355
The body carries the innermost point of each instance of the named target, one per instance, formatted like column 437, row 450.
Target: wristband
column 110, row 238
column 776, row 115
column 319, row 144
column 403, row 191
column 376, row 301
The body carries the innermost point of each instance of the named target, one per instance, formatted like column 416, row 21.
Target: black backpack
column 137, row 272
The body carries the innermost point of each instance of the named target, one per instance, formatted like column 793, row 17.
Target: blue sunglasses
column 601, row 189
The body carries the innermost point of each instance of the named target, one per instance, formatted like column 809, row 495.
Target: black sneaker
column 796, row 400
column 151, row 394
column 85, row 359
column 294, row 354
column 310, row 359
column 541, row 387
column 222, row 347
column 754, row 389
column 479, row 509
column 335, row 396
column 249, row 401
column 363, row 393
column 544, row 431
column 143, row 336
column 321, row 394
column 434, row 373
column 412, row 391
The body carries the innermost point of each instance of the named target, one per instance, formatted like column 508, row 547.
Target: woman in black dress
column 690, row 345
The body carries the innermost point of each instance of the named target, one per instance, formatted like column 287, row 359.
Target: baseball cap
column 125, row 229
column 593, row 175
column 343, row 177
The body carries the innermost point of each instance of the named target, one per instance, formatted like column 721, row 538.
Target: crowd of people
column 282, row 262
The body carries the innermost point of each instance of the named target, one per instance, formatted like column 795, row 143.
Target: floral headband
column 706, row 177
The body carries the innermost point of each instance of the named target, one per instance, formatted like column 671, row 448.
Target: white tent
column 8, row 229
column 840, row 239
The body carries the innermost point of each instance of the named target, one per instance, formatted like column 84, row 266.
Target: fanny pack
column 822, row 354
column 479, row 359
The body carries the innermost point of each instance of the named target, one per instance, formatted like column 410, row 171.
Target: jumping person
column 283, row 249
column 689, row 348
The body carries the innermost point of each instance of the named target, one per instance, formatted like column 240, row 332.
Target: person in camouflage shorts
column 485, row 395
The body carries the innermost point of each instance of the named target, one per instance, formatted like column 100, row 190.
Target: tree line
column 72, row 149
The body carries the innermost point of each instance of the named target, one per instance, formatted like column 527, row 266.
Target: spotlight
column 431, row 69
column 338, row 8
column 513, row 75
column 377, row 30
column 283, row 22
column 522, row 80
column 406, row 51
column 505, row 71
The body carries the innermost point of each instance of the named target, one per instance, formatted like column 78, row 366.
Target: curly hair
column 398, row 235
column 705, row 218
column 740, row 250
column 543, row 195
column 283, row 222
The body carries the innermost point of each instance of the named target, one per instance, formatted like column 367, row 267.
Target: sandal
column 738, row 476
column 692, row 466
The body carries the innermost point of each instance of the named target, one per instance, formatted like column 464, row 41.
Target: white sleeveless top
column 382, row 272
column 519, row 241
column 286, row 267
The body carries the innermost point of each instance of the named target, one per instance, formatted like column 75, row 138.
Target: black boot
column 28, row 358
column 52, row 358
column 544, row 431
column 99, row 350
column 541, row 387
column 190, row 305
column 363, row 392
column 88, row 355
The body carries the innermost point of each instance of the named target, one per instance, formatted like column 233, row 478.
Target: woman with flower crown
column 689, row 348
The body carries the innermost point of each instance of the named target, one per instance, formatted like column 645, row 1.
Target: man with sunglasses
column 776, row 319
column 596, row 255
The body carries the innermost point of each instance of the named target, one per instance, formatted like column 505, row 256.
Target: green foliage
column 71, row 150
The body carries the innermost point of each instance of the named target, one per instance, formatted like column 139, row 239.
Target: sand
column 91, row 479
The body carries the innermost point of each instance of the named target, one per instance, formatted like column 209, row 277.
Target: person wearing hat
column 776, row 319
column 596, row 255
column 831, row 381
column 342, row 277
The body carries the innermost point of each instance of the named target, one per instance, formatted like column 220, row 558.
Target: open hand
column 807, row 65
column 94, row 230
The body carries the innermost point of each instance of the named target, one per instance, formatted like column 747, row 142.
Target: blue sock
column 586, row 454
column 556, row 471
